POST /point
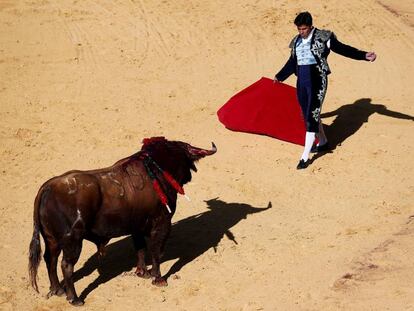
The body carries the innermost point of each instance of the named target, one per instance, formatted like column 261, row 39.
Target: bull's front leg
column 140, row 247
column 159, row 234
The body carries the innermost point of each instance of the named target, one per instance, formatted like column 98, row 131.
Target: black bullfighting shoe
column 302, row 164
column 324, row 147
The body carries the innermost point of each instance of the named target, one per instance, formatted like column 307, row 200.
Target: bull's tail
column 35, row 250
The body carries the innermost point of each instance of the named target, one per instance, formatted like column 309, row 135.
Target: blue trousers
column 307, row 88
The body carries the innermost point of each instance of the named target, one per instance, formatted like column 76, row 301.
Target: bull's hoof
column 160, row 282
column 76, row 302
column 55, row 292
column 142, row 273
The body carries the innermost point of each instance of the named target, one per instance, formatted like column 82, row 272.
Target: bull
column 136, row 196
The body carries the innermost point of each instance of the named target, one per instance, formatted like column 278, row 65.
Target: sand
column 83, row 82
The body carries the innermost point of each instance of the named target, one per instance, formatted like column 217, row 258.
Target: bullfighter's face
column 304, row 31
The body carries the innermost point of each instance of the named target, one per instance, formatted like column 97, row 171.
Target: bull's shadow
column 350, row 118
column 190, row 238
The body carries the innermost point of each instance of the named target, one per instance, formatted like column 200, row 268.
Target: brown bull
column 136, row 196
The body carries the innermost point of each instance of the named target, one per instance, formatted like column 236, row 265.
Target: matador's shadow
column 350, row 118
column 190, row 238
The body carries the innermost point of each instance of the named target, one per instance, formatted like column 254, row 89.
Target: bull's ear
column 198, row 153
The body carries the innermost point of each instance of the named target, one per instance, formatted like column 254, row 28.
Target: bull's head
column 176, row 156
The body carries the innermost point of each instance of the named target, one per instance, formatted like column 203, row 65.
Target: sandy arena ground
column 82, row 82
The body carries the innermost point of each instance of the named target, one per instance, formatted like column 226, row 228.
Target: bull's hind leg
column 140, row 246
column 52, row 251
column 159, row 234
column 71, row 252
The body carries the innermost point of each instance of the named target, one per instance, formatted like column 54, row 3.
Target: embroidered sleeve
column 287, row 70
column 345, row 50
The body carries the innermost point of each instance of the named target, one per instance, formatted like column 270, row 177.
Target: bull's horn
column 213, row 149
column 198, row 152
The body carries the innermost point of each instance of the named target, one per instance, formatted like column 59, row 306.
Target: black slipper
column 302, row 164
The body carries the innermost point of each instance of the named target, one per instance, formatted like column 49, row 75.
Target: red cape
column 265, row 108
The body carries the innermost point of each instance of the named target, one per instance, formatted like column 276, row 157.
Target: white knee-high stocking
column 309, row 140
